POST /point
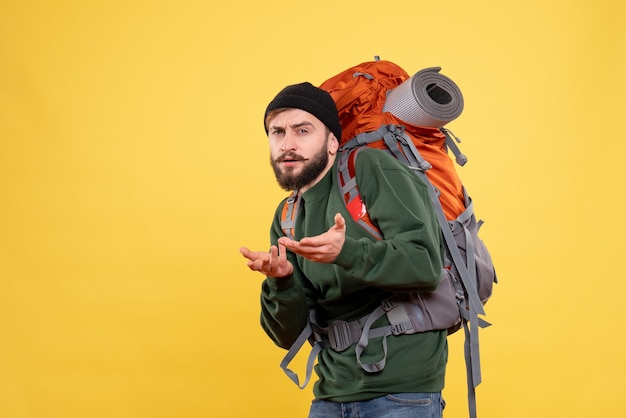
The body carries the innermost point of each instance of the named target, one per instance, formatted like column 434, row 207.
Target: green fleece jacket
column 366, row 271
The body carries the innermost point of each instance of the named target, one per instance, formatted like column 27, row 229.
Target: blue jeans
column 395, row 405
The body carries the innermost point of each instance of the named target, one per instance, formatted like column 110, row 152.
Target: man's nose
column 289, row 143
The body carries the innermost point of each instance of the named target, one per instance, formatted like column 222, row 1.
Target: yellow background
column 133, row 164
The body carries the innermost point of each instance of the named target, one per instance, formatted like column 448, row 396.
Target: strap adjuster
column 339, row 336
column 401, row 328
column 389, row 303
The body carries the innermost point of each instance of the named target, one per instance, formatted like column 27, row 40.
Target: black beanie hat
column 307, row 97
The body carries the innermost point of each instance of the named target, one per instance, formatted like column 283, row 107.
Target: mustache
column 289, row 155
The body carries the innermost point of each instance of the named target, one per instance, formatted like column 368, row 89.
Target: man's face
column 301, row 149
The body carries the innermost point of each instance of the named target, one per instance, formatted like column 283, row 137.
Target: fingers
column 321, row 248
column 253, row 256
column 245, row 252
column 278, row 256
column 340, row 222
column 284, row 242
column 271, row 263
column 282, row 252
column 256, row 259
column 334, row 233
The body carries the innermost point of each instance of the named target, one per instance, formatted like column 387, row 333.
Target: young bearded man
column 339, row 271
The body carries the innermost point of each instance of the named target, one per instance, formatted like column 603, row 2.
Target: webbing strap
column 397, row 141
column 469, row 365
column 466, row 271
column 366, row 75
column 413, row 156
column 366, row 138
column 461, row 159
column 293, row 350
column 391, row 140
column 472, row 352
column 399, row 323
column 366, row 335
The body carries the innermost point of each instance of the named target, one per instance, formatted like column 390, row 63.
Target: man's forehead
column 294, row 117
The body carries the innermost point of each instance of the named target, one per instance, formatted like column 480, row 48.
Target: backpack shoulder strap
column 289, row 214
column 350, row 191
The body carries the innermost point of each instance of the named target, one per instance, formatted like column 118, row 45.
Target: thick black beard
column 311, row 171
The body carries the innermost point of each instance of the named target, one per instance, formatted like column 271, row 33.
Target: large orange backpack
column 379, row 105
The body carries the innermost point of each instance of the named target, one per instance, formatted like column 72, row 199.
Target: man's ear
column 333, row 144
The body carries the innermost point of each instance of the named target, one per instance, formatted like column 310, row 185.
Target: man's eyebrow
column 301, row 124
column 273, row 127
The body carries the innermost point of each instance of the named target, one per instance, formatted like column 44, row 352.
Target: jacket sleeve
column 284, row 308
column 409, row 257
